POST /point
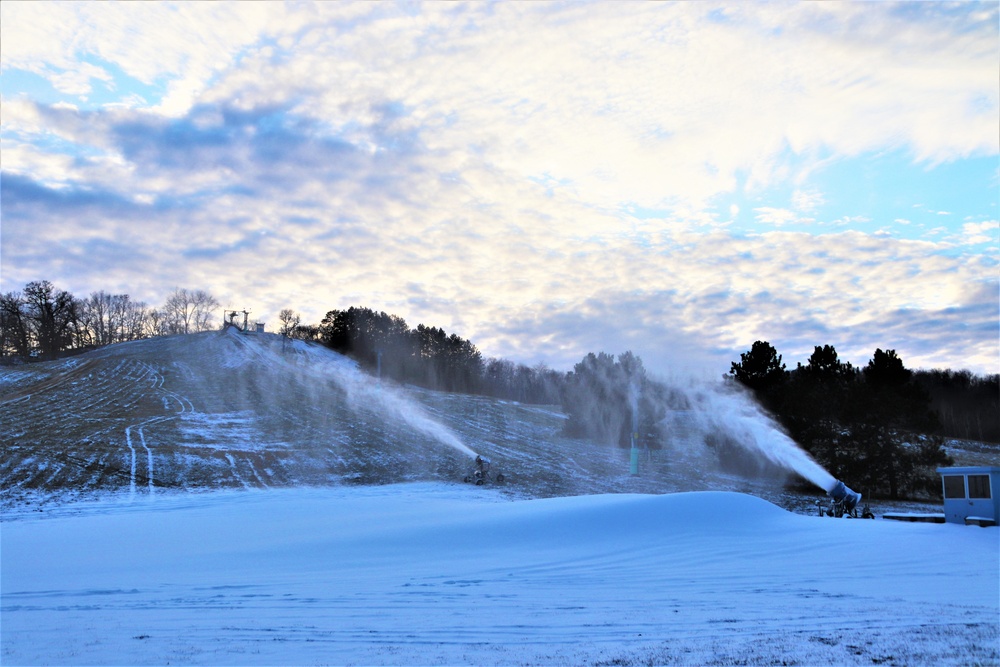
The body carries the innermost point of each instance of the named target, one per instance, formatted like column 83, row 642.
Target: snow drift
column 443, row 574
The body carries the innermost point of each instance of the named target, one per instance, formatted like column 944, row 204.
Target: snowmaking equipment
column 844, row 503
column 481, row 473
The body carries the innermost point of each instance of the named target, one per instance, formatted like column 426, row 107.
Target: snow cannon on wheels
column 481, row 473
column 844, row 503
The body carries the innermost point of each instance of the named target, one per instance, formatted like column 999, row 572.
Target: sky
column 544, row 179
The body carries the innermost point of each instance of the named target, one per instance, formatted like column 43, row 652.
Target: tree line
column 43, row 322
column 426, row 356
column 883, row 424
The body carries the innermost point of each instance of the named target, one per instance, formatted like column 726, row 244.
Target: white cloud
column 981, row 232
column 52, row 169
column 466, row 164
column 778, row 217
column 807, row 201
column 77, row 80
column 185, row 44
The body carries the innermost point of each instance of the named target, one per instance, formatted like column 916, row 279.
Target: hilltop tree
column 816, row 390
column 874, row 427
column 366, row 335
column 289, row 322
column 825, row 367
column 891, row 427
column 52, row 313
column 761, row 370
column 188, row 311
column 886, row 370
column 15, row 333
column 427, row 356
column 111, row 318
column 812, row 408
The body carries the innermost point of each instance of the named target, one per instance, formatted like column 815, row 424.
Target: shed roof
column 969, row 470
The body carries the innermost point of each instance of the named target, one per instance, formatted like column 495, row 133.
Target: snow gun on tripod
column 481, row 473
column 845, row 503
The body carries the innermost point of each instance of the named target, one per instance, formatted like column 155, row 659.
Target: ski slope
column 224, row 410
column 434, row 573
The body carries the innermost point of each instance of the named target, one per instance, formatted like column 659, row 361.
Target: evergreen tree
column 607, row 400
column 874, row 427
column 812, row 409
column 761, row 370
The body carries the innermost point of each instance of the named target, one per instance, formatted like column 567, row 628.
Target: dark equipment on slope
column 481, row 473
column 845, row 504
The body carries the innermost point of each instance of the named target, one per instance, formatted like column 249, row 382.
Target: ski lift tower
column 230, row 320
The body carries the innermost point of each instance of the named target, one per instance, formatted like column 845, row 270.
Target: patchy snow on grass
column 220, row 430
column 441, row 574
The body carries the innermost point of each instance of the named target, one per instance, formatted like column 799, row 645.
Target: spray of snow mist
column 363, row 391
column 419, row 420
column 732, row 412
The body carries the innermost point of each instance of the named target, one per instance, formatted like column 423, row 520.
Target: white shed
column 971, row 494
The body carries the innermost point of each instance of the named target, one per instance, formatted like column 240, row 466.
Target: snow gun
column 841, row 494
column 481, row 473
column 845, row 502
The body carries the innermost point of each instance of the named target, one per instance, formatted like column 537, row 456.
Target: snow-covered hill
column 419, row 574
column 206, row 411
column 224, row 410
column 231, row 499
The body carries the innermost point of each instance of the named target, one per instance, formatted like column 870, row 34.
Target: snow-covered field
column 435, row 573
column 226, row 499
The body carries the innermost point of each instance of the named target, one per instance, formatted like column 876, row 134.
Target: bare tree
column 15, row 333
column 289, row 322
column 134, row 319
column 306, row 332
column 112, row 318
column 153, row 324
column 189, row 311
column 52, row 313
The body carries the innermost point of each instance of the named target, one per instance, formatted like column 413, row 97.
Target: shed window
column 954, row 486
column 979, row 486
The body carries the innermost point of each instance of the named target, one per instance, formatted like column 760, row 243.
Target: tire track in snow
column 236, row 473
column 150, row 372
column 149, row 453
column 149, row 459
column 131, row 480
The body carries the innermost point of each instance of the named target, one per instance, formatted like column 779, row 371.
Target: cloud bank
column 545, row 179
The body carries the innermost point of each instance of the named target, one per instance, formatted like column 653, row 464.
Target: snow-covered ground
column 205, row 500
column 434, row 573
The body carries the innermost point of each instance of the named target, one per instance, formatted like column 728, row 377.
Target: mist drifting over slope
column 224, row 410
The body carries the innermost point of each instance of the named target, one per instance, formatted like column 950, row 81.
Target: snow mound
column 448, row 574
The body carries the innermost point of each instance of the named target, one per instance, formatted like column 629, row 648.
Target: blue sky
column 546, row 179
column 881, row 194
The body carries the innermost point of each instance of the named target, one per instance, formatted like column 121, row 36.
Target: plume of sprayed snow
column 361, row 389
column 708, row 410
column 729, row 410
column 633, row 399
